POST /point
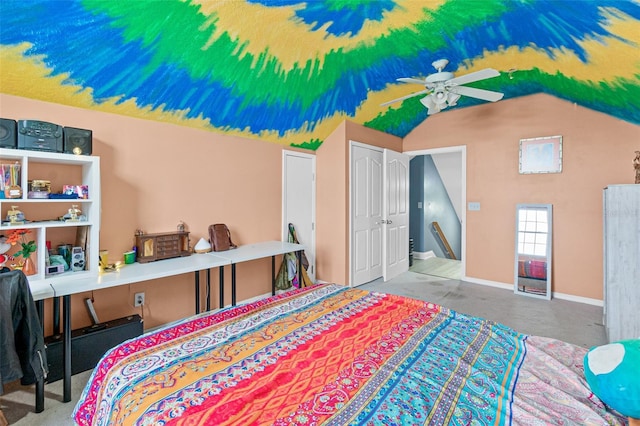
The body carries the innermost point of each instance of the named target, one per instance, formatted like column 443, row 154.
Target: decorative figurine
column 181, row 226
column 15, row 216
column 636, row 165
column 74, row 214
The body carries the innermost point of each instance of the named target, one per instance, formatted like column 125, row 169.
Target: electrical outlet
column 138, row 299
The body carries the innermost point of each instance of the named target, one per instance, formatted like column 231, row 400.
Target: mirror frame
column 549, row 209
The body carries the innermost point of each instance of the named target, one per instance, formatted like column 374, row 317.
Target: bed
column 330, row 354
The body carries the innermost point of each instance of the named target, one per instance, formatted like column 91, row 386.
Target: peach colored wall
column 332, row 191
column 597, row 151
column 331, row 196
column 156, row 174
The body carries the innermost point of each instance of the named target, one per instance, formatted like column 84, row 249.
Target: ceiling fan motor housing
column 439, row 77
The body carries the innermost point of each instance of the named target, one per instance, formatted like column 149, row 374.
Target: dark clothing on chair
column 22, row 350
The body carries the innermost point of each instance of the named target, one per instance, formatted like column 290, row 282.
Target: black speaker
column 77, row 141
column 89, row 344
column 8, row 133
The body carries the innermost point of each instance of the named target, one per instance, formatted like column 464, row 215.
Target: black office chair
column 22, row 350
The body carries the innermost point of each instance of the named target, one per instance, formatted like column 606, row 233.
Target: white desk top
column 41, row 290
column 137, row 272
column 257, row 251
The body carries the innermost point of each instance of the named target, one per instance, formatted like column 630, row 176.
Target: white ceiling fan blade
column 474, row 76
column 412, row 80
column 472, row 92
column 406, row 97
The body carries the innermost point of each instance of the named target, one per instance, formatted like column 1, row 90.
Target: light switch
column 419, row 204
column 474, row 207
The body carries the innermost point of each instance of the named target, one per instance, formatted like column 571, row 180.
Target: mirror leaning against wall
column 533, row 250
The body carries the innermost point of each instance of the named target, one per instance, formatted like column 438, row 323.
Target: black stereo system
column 43, row 136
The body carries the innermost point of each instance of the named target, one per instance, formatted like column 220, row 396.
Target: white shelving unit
column 88, row 167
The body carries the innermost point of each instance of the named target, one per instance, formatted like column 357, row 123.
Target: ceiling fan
column 444, row 89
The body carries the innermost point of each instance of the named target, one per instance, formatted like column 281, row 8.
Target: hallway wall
column 430, row 202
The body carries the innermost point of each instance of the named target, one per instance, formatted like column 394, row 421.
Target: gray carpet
column 569, row 321
column 572, row 322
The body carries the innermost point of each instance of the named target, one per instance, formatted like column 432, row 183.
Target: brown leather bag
column 220, row 237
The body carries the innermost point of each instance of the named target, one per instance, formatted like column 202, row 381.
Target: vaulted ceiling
column 290, row 71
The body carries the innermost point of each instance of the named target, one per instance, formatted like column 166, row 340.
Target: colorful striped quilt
column 334, row 355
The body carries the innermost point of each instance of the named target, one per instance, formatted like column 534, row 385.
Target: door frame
column 310, row 247
column 462, row 149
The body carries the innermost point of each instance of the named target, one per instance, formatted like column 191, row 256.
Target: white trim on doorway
column 462, row 149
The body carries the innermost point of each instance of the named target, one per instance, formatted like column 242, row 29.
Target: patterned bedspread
column 333, row 355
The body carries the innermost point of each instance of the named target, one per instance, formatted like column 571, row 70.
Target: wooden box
column 162, row 246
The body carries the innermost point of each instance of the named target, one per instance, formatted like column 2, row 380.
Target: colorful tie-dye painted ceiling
column 290, row 71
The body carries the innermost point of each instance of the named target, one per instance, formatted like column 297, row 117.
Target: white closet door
column 366, row 213
column 298, row 199
column 396, row 224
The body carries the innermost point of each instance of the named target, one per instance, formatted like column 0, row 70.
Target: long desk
column 255, row 251
column 138, row 272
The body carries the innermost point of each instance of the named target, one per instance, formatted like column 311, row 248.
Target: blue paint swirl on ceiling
column 210, row 61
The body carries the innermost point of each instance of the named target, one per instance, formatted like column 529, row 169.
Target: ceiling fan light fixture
column 452, row 99
column 440, row 97
column 432, row 107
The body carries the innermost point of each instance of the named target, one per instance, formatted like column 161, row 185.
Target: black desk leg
column 56, row 315
column 273, row 275
column 221, row 286
column 197, row 281
column 233, row 284
column 66, row 348
column 208, row 290
column 40, row 383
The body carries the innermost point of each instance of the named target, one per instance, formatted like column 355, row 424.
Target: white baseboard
column 423, row 255
column 563, row 296
column 488, row 283
column 579, row 299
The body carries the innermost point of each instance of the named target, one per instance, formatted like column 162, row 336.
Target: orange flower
column 28, row 247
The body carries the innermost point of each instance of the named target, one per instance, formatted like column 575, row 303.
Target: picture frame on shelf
column 541, row 155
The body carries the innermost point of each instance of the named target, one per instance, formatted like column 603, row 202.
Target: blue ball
column 613, row 374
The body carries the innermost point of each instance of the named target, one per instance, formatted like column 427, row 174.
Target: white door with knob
column 379, row 213
column 396, row 201
column 366, row 213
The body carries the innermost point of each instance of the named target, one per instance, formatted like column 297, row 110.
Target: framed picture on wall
column 541, row 155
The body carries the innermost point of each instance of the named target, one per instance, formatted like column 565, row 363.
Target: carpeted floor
column 569, row 321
